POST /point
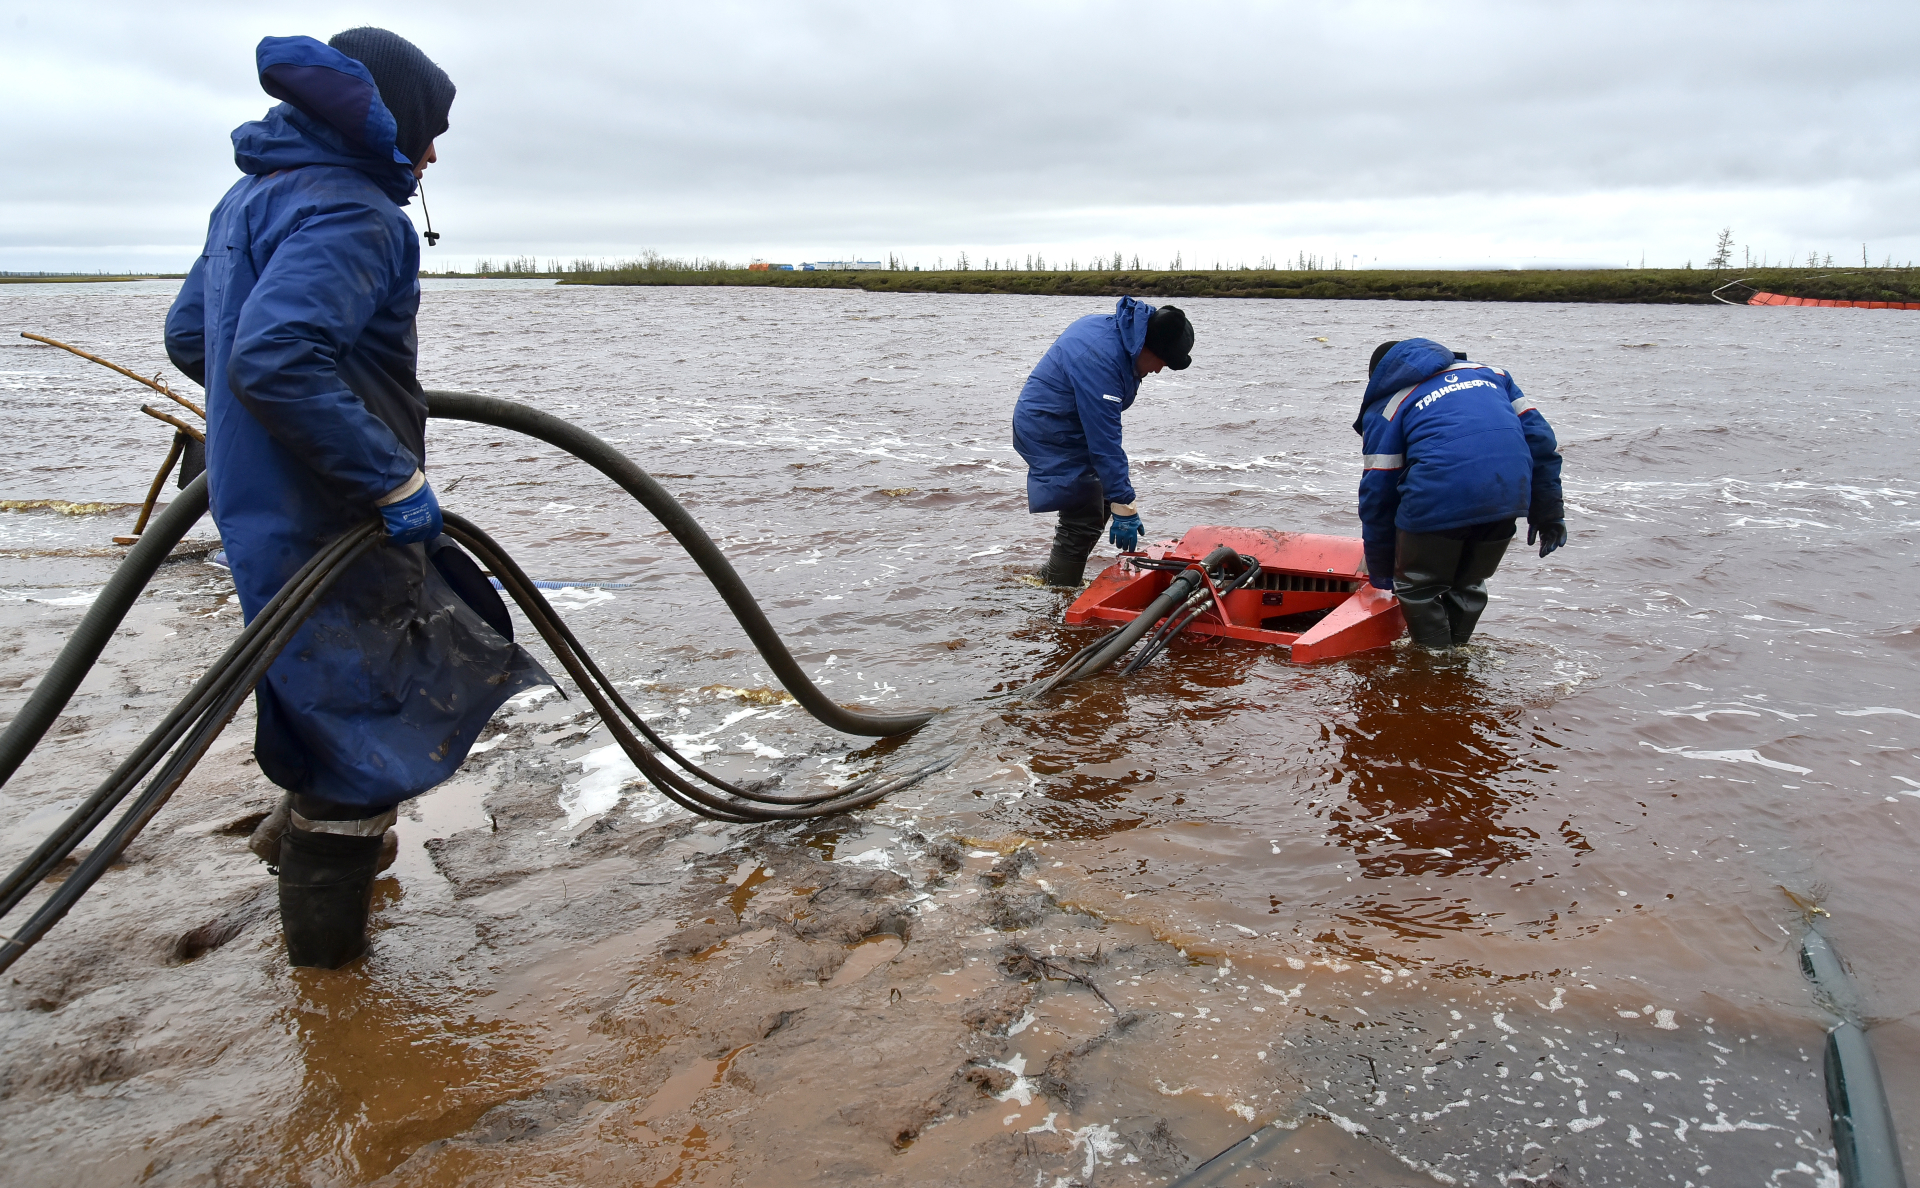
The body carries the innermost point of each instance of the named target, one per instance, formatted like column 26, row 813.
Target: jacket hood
column 1408, row 363
column 332, row 115
column 1130, row 318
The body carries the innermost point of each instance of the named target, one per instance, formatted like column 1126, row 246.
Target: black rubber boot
column 1423, row 569
column 1074, row 538
column 1468, row 597
column 326, row 892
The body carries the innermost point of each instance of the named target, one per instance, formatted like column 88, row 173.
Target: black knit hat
column 418, row 93
column 1170, row 336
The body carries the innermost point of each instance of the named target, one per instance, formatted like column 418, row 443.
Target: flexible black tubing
column 1864, row 1143
column 116, row 598
column 1231, row 1164
column 235, row 686
column 1197, row 605
column 688, row 796
column 218, row 694
column 1177, row 592
column 1059, row 675
column 200, row 717
column 242, row 651
column 612, row 708
column 539, row 611
column 505, row 414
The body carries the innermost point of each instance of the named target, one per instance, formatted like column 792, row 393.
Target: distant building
column 763, row 266
column 842, row 266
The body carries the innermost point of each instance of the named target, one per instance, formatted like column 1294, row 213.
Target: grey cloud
column 723, row 124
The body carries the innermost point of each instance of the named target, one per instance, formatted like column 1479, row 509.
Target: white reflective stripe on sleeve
column 1115, row 399
column 1393, row 406
column 1522, row 405
column 1383, row 461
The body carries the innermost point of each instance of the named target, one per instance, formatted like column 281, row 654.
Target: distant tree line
column 1722, row 257
column 651, row 262
column 963, row 261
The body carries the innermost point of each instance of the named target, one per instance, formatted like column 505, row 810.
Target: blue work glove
column 1125, row 532
column 415, row 518
column 1381, row 581
column 1552, row 535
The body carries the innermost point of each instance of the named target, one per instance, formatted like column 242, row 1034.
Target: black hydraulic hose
column 1230, row 1165
column 1178, row 591
column 747, row 805
column 669, row 783
column 534, row 603
column 183, row 737
column 1059, row 676
column 1196, row 606
column 236, row 683
column 487, row 410
column 1864, row 1142
column 245, row 647
column 97, row 627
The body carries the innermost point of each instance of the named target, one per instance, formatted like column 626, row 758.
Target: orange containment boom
column 1311, row 596
column 1765, row 298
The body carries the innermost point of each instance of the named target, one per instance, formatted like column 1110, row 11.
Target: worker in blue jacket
column 298, row 320
column 1066, row 425
column 1454, row 451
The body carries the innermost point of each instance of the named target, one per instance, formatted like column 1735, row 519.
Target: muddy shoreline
column 672, row 1001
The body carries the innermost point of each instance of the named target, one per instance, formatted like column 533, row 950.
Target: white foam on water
column 605, row 773
column 84, row 598
column 760, row 750
column 1745, row 756
column 576, row 598
column 1022, row 1090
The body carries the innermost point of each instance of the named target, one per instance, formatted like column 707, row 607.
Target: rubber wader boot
column 1423, row 569
column 326, row 892
column 1073, row 540
column 1468, row 597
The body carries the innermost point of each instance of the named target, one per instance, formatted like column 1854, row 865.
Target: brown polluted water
column 1512, row 915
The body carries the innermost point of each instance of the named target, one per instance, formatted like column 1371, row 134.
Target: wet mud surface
column 1509, row 916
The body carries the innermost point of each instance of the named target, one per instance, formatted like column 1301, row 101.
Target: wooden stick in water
column 156, row 383
column 176, row 422
column 159, row 482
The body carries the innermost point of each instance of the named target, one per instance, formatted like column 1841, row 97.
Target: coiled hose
column 184, row 735
column 186, row 732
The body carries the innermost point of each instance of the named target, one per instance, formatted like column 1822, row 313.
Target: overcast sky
column 1458, row 133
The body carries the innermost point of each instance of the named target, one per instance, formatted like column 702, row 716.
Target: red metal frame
column 1299, row 572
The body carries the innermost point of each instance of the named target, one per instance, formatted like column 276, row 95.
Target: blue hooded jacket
column 1448, row 444
column 1066, row 423
column 298, row 320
